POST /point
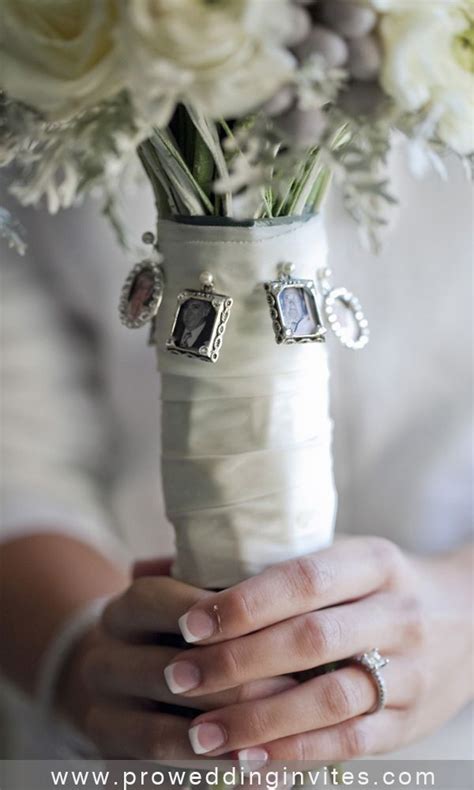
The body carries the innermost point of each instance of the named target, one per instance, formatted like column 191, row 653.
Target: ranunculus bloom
column 225, row 56
column 59, row 56
column 427, row 65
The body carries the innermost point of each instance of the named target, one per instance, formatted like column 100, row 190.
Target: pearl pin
column 206, row 279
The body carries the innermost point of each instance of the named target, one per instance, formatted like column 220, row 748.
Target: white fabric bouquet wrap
column 246, row 442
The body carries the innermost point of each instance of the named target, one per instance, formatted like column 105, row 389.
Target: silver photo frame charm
column 200, row 322
column 141, row 294
column 335, row 298
column 294, row 309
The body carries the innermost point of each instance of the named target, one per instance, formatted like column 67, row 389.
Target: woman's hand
column 359, row 594
column 115, row 688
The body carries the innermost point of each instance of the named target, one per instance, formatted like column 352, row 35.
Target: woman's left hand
column 334, row 604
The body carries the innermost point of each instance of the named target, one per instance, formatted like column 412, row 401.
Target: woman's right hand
column 115, row 687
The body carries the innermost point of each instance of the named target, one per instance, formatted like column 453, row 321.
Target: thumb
column 157, row 566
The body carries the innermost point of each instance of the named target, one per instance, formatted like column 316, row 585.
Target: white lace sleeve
column 52, row 434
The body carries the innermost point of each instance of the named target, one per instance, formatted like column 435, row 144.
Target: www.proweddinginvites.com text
column 270, row 780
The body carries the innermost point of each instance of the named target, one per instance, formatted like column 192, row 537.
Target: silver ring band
column 373, row 662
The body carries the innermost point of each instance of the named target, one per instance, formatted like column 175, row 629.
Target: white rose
column 225, row 56
column 59, row 56
column 428, row 63
column 411, row 5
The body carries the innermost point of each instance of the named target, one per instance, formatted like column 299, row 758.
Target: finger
column 304, row 642
column 122, row 733
column 362, row 736
column 160, row 566
column 317, row 704
column 149, row 606
column 347, row 570
column 120, row 670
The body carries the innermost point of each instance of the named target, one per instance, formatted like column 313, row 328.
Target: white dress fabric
column 80, row 422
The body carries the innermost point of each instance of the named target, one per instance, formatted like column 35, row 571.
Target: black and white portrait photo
column 298, row 311
column 194, row 324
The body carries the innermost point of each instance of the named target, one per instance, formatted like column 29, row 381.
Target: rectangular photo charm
column 199, row 324
column 294, row 311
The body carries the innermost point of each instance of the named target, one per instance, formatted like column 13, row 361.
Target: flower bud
column 303, row 127
column 361, row 99
column 322, row 41
column 365, row 58
column 300, row 28
column 349, row 19
column 280, row 102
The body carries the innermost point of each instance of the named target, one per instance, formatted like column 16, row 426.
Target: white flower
column 59, row 56
column 389, row 6
column 428, row 57
column 225, row 56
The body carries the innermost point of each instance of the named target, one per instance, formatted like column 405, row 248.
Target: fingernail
column 196, row 625
column 252, row 759
column 206, row 737
column 182, row 676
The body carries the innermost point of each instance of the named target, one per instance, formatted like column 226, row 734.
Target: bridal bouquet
column 241, row 108
column 240, row 112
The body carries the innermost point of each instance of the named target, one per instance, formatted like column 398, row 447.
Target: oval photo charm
column 141, row 294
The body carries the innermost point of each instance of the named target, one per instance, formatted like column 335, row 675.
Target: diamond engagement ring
column 373, row 662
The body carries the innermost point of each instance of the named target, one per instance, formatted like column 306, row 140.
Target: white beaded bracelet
column 60, row 649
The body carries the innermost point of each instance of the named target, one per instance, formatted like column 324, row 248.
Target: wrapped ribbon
column 246, row 442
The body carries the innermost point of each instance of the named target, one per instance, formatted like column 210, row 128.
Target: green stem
column 208, row 130
column 164, row 203
column 305, row 184
column 203, row 165
column 280, row 210
column 266, row 208
column 178, row 172
column 320, row 190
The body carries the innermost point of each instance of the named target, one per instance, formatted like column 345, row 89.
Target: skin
column 141, row 293
column 43, row 579
column 360, row 593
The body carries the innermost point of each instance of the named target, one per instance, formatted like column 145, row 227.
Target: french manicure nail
column 206, row 737
column 182, row 676
column 252, row 759
column 196, row 625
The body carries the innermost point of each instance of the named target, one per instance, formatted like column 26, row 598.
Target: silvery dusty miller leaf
column 12, row 231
